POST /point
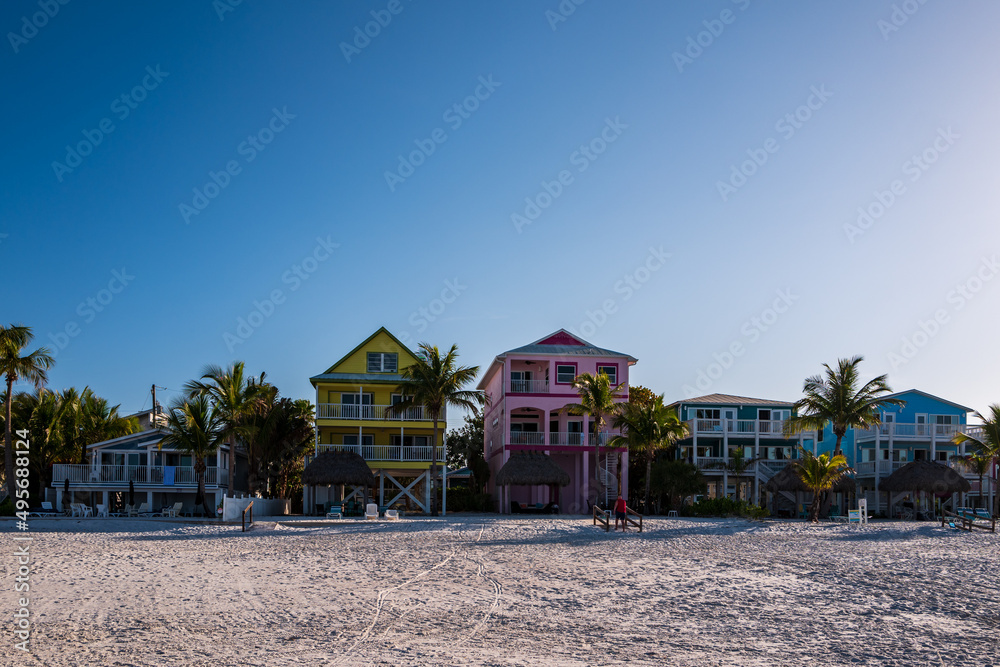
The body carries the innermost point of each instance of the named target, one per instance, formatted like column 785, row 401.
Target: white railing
column 559, row 439
column 123, row 474
column 711, row 462
column 917, row 431
column 526, row 438
column 388, row 452
column 528, row 387
column 772, row 428
column 867, row 468
column 371, row 412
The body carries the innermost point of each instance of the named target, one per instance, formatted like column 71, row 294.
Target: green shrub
column 724, row 507
column 461, row 499
column 7, row 507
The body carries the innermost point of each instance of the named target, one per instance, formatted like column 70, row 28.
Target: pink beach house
column 528, row 387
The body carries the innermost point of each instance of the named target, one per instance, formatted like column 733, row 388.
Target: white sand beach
column 480, row 590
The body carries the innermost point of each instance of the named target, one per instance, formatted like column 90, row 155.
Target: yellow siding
column 358, row 361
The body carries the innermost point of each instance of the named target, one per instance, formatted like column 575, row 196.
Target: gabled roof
column 557, row 344
column 899, row 394
column 329, row 374
column 729, row 399
column 563, row 342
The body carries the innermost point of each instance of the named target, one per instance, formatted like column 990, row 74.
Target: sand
column 482, row 590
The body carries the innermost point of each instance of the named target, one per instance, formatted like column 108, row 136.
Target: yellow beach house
column 352, row 400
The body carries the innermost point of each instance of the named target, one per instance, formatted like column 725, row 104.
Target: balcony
column 885, row 468
column 926, row 432
column 387, row 452
column 121, row 475
column 528, row 387
column 741, row 428
column 371, row 413
column 557, row 439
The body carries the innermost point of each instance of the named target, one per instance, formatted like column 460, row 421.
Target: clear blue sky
column 643, row 126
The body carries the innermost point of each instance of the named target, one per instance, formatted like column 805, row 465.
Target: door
column 921, row 428
column 520, row 382
column 351, row 405
column 574, row 433
column 764, row 420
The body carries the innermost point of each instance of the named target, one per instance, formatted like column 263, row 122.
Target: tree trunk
column 838, row 452
column 814, row 508
column 200, row 496
column 232, row 466
column 8, row 450
column 434, row 465
column 618, row 472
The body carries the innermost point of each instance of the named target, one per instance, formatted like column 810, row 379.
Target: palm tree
column 232, row 393
column 987, row 445
column 436, row 381
column 597, row 399
column 677, row 480
column 198, row 429
column 647, row 427
column 291, row 436
column 31, row 367
column 94, row 419
column 978, row 464
column 836, row 397
column 820, row 473
column 47, row 415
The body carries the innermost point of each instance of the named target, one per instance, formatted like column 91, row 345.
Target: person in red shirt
column 620, row 514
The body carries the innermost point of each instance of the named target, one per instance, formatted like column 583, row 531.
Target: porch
column 139, row 475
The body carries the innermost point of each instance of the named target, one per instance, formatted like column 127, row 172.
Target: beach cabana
column 533, row 469
column 927, row 476
column 339, row 468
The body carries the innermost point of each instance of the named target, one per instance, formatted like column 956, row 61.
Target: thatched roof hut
column 928, row 476
column 531, row 468
column 787, row 479
column 340, row 467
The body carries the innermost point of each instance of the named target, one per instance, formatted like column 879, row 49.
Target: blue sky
column 732, row 192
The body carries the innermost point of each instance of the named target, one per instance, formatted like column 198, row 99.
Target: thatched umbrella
column 531, row 468
column 788, row 479
column 928, row 476
column 339, row 467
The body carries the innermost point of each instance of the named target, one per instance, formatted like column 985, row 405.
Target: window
column 611, row 372
column 409, row 440
column 708, row 413
column 819, row 435
column 565, row 374
column 382, row 362
column 520, row 381
column 366, row 440
column 942, row 456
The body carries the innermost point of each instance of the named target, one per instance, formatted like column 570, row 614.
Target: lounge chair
column 335, row 512
column 175, row 510
column 46, row 510
column 371, row 512
column 102, row 510
column 143, row 510
column 80, row 509
column 392, row 514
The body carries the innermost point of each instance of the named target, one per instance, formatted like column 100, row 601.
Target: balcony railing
column 387, row 452
column 867, row 468
column 558, row 439
column 770, row 428
column 116, row 475
column 371, row 412
column 917, row 431
column 528, row 387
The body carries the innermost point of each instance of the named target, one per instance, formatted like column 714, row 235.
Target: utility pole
column 154, row 407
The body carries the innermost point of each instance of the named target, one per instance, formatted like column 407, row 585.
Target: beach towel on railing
column 168, row 475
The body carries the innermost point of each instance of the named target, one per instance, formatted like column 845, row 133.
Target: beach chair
column 175, row 510
column 46, row 510
column 982, row 513
column 80, row 509
column 854, row 516
column 335, row 512
column 371, row 512
column 130, row 510
column 392, row 515
column 102, row 510
column 142, row 510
